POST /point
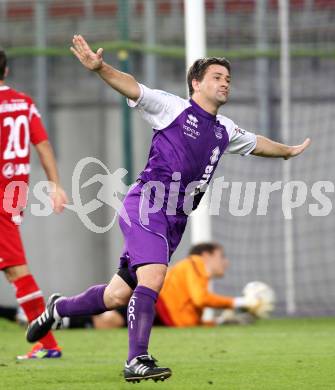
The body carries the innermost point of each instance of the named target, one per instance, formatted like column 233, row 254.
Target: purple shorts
column 152, row 241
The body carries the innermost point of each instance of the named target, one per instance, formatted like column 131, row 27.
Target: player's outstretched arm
column 121, row 82
column 268, row 148
column 48, row 162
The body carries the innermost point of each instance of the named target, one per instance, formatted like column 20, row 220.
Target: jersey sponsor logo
column 192, row 121
column 10, row 170
column 191, row 132
column 12, row 107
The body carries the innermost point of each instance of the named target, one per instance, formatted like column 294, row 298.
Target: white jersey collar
column 3, row 87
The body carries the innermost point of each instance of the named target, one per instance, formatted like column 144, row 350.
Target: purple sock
column 141, row 314
column 89, row 302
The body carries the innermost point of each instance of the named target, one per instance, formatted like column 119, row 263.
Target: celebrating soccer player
column 189, row 139
column 20, row 124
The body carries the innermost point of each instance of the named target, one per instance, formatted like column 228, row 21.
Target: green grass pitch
column 297, row 354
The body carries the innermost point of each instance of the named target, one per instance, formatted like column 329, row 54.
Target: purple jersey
column 187, row 142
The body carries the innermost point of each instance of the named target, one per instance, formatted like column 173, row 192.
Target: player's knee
column 117, row 298
column 120, row 298
column 157, row 282
column 152, row 276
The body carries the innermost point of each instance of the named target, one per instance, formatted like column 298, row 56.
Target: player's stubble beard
column 219, row 102
column 222, row 97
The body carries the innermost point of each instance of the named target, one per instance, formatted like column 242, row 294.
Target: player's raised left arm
column 265, row 147
column 48, row 162
column 122, row 82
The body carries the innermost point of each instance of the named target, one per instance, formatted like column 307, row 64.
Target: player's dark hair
column 3, row 63
column 198, row 69
column 203, row 247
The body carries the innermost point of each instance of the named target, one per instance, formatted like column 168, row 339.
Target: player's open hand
column 92, row 61
column 58, row 199
column 298, row 149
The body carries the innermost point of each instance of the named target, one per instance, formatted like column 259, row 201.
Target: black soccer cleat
column 45, row 322
column 143, row 368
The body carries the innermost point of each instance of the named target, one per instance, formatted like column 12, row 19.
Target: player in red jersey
column 20, row 124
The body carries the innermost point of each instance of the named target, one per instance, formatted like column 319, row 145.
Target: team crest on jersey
column 218, row 130
column 10, row 170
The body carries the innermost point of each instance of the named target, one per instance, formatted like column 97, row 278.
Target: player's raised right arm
column 121, row 82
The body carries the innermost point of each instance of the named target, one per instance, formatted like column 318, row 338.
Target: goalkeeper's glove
column 254, row 305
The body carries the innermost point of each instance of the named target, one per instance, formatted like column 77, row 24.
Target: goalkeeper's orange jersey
column 185, row 294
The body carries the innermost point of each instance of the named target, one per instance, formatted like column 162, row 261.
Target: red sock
column 30, row 298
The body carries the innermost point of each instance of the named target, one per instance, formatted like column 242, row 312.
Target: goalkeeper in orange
column 185, row 294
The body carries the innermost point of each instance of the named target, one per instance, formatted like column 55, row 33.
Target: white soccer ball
column 265, row 296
